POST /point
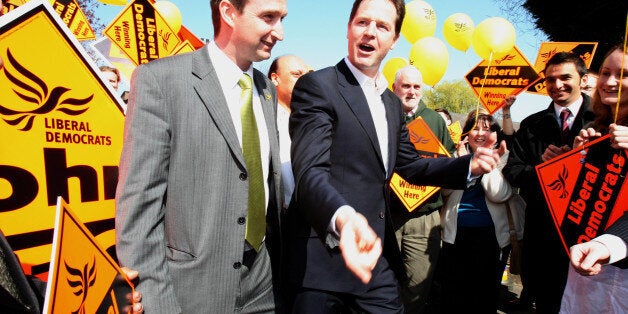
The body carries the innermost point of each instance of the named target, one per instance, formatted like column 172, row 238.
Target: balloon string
column 621, row 73
column 477, row 105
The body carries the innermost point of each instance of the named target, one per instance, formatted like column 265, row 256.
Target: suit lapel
column 208, row 89
column 355, row 99
column 393, row 127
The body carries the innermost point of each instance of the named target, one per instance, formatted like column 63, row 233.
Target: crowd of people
column 252, row 193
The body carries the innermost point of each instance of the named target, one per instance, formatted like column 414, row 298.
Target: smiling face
column 609, row 82
column 371, row 34
column 563, row 83
column 482, row 136
column 253, row 32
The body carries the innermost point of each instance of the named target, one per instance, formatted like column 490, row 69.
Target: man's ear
column 584, row 80
column 275, row 79
column 227, row 12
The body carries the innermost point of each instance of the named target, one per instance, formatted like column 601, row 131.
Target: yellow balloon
column 113, row 2
column 419, row 22
column 391, row 67
column 458, row 31
column 494, row 35
column 430, row 56
column 170, row 13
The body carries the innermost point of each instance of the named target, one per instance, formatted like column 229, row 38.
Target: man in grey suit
column 200, row 158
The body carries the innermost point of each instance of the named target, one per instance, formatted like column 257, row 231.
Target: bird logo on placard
column 559, row 184
column 34, row 91
column 81, row 281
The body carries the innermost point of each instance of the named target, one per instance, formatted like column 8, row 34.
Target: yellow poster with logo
column 83, row 277
column 428, row 146
column 61, row 129
column 455, row 131
column 142, row 33
column 74, row 17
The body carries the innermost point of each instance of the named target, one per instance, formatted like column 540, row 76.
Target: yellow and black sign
column 585, row 50
column 427, row 145
column 142, row 33
column 83, row 277
column 509, row 75
column 72, row 15
column 106, row 50
column 455, row 131
column 61, row 132
column 10, row 5
column 184, row 47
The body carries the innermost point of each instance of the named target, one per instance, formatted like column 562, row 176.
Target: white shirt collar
column 574, row 107
column 379, row 83
column 230, row 73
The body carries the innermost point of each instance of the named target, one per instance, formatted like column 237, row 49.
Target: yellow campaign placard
column 585, row 50
column 109, row 52
column 83, row 278
column 142, row 33
column 10, row 5
column 62, row 129
column 494, row 82
column 184, row 47
column 428, row 146
column 455, row 131
column 74, row 17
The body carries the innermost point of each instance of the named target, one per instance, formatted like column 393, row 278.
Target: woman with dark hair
column 475, row 227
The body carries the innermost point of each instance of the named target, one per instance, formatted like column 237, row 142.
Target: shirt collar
column 228, row 72
column 573, row 107
column 379, row 84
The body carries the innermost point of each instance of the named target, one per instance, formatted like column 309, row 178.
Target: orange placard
column 83, row 277
column 74, row 17
column 455, row 131
column 585, row 190
column 61, row 129
column 428, row 145
column 494, row 82
column 142, row 33
column 585, row 50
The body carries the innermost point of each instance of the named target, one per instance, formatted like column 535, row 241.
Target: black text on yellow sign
column 142, row 33
column 83, row 278
column 585, row 50
column 72, row 15
column 62, row 134
column 493, row 82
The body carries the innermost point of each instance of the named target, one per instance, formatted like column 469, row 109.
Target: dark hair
column 238, row 4
column 481, row 118
column 443, row 110
column 400, row 7
column 567, row 57
column 603, row 115
column 273, row 66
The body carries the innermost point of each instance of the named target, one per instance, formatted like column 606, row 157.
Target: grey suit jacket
column 183, row 186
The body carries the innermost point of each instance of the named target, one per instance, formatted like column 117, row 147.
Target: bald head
column 284, row 73
column 407, row 87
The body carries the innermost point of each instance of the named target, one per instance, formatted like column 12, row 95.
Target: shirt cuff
column 333, row 237
column 615, row 245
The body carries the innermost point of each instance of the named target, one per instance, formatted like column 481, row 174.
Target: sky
column 315, row 30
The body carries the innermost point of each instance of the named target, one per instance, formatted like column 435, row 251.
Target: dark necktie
column 256, row 214
column 564, row 115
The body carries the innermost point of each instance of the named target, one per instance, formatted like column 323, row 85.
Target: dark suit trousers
column 381, row 296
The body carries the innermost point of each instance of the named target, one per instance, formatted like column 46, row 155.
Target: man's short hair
column 400, row 6
column 238, row 4
column 567, row 57
column 274, row 66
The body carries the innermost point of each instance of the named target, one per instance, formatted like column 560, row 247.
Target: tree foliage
column 602, row 21
column 455, row 96
column 89, row 8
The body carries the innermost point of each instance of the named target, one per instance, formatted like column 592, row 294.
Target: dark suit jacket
column 18, row 294
column 337, row 161
column 620, row 229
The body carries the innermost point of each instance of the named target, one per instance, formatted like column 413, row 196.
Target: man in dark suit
column 587, row 258
column 541, row 137
column 348, row 136
column 199, row 192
